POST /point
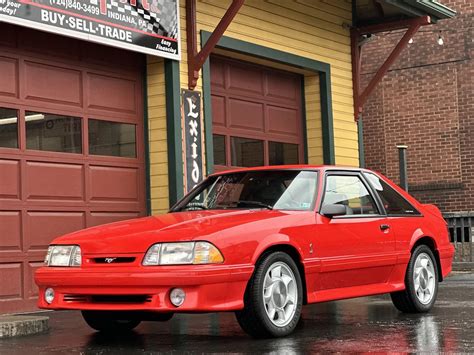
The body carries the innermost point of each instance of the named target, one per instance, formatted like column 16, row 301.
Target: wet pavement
column 369, row 324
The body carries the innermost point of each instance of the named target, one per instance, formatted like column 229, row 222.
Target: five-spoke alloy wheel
column 421, row 282
column 274, row 297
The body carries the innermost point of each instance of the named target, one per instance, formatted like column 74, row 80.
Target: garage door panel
column 218, row 111
column 115, row 94
column 32, row 289
column 9, row 75
column 41, row 227
column 11, row 276
column 283, row 87
column 217, row 74
column 283, row 120
column 41, row 43
column 10, row 222
column 97, row 218
column 54, row 181
column 245, row 79
column 114, row 183
column 9, row 179
column 53, row 84
column 245, row 114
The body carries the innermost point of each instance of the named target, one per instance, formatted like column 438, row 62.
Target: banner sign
column 192, row 137
column 147, row 26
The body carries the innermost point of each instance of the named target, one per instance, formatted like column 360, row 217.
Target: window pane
column 282, row 153
column 350, row 192
column 246, row 152
column 112, row 138
column 219, row 149
column 54, row 133
column 393, row 202
column 8, row 128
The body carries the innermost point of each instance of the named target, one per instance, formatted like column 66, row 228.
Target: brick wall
column 426, row 101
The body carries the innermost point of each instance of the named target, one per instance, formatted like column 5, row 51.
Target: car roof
column 293, row 167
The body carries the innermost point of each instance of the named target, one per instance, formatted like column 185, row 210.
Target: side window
column 393, row 202
column 350, row 191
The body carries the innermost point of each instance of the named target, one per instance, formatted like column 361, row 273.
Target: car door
column 357, row 248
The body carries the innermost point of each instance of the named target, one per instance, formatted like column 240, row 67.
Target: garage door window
column 282, row 153
column 53, row 133
column 112, row 139
column 8, row 128
column 219, row 149
column 246, row 152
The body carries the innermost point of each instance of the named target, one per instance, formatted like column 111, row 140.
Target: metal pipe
column 402, row 161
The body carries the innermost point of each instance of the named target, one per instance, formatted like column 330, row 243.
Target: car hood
column 137, row 235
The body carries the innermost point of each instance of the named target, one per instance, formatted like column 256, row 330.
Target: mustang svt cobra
column 261, row 242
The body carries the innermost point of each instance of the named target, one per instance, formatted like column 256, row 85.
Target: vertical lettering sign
column 147, row 26
column 192, row 137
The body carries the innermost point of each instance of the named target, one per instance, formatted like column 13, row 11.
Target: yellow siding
column 308, row 28
column 157, row 135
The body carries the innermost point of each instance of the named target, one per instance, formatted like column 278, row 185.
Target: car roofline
column 292, row 167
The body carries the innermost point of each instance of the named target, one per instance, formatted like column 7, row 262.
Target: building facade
column 425, row 102
column 91, row 134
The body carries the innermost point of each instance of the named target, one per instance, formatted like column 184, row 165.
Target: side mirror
column 333, row 210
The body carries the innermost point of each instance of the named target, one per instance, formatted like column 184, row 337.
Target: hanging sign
column 147, row 26
column 192, row 137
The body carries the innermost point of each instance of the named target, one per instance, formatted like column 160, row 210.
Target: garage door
column 71, row 147
column 257, row 115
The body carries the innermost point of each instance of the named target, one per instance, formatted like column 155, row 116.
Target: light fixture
column 410, row 41
column 28, row 118
column 440, row 39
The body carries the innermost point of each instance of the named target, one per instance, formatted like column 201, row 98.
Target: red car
column 261, row 242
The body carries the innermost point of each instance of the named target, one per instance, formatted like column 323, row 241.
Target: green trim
column 174, row 131
column 360, row 135
column 146, row 139
column 256, row 50
column 303, row 114
column 207, row 110
column 415, row 8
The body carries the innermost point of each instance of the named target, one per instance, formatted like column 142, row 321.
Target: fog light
column 177, row 296
column 49, row 295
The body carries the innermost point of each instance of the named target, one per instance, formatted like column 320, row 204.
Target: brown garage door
column 71, row 148
column 257, row 115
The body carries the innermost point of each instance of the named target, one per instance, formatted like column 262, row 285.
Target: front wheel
column 273, row 299
column 421, row 283
column 107, row 322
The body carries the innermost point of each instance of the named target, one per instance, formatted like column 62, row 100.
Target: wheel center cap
column 279, row 294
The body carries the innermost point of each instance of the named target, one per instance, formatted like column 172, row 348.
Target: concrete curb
column 13, row 326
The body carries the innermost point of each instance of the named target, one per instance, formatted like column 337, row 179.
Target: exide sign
column 147, row 26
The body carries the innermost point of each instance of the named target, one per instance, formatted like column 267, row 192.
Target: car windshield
column 270, row 189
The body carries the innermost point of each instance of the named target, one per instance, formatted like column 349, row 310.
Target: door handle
column 384, row 227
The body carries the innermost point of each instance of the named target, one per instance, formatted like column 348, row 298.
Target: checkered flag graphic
column 163, row 22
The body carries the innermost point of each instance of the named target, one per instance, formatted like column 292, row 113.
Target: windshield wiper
column 254, row 203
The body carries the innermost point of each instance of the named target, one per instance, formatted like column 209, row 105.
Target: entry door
column 256, row 115
column 358, row 248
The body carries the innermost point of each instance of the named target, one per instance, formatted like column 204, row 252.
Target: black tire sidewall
column 409, row 281
column 258, row 281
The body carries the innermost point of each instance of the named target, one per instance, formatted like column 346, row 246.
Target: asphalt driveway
column 357, row 325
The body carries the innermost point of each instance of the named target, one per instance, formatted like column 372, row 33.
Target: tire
column 270, row 291
column 418, row 296
column 108, row 322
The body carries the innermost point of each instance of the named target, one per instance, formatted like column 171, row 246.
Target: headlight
column 63, row 255
column 182, row 254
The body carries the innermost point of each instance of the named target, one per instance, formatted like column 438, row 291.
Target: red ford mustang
column 261, row 242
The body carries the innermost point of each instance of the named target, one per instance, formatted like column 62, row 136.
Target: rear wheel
column 108, row 321
column 273, row 299
column 421, row 282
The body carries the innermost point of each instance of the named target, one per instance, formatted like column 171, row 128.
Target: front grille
column 114, row 260
column 120, row 298
column 108, row 299
column 75, row 298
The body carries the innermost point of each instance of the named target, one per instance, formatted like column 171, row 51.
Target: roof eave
column 433, row 8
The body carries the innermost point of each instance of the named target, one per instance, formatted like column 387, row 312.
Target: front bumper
column 208, row 288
